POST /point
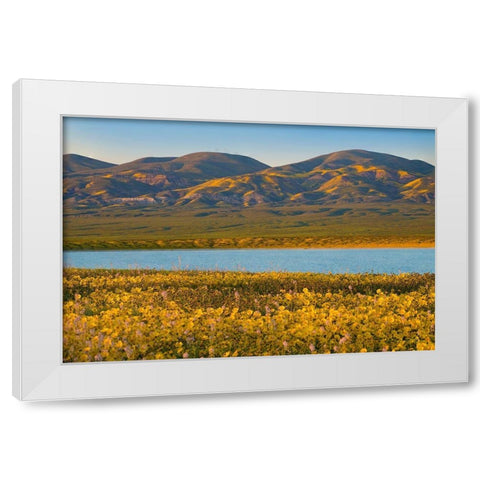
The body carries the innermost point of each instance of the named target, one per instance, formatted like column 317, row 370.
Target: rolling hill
column 139, row 181
column 219, row 179
column 343, row 198
column 73, row 163
column 353, row 176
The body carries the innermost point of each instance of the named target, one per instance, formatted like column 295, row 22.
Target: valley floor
column 306, row 226
column 112, row 315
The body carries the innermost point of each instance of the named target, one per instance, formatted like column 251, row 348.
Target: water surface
column 351, row 260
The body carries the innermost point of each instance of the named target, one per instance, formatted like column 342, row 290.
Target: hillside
column 207, row 200
column 73, row 163
column 218, row 179
column 141, row 180
column 353, row 176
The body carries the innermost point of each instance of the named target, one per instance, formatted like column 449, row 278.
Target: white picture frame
column 38, row 371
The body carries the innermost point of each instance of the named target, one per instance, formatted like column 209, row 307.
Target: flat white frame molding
column 38, row 372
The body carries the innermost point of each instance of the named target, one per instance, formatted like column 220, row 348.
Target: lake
column 351, row 260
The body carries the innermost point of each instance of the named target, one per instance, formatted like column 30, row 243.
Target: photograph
column 243, row 240
column 201, row 239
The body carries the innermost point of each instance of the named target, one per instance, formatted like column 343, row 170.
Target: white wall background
column 408, row 47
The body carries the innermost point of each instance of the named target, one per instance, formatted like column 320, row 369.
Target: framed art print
column 178, row 240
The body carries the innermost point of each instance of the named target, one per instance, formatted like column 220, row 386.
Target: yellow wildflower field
column 113, row 315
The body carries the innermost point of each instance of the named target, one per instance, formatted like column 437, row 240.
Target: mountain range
column 211, row 179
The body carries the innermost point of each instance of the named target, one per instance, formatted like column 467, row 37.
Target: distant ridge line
column 216, row 179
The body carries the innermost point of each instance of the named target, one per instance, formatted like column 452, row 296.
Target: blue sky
column 122, row 140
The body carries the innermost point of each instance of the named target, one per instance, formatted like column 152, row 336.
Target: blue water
column 352, row 260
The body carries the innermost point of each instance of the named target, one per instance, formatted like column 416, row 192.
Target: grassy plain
column 339, row 226
column 112, row 315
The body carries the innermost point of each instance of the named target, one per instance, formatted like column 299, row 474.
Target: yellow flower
column 156, row 315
